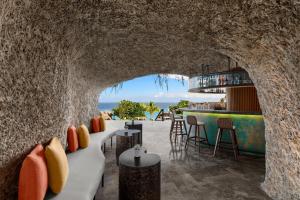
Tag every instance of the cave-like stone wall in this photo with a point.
(33, 84)
(56, 57)
(42, 90)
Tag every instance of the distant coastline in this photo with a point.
(108, 106)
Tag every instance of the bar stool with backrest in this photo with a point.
(193, 121)
(178, 127)
(226, 124)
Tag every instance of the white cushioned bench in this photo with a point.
(86, 168)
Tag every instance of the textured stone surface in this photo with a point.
(56, 56)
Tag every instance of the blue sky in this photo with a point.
(144, 89)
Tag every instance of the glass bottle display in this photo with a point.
(219, 80)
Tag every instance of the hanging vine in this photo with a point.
(161, 80)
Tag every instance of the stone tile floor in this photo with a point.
(189, 175)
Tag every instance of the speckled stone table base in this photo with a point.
(139, 181)
(139, 184)
(125, 141)
(137, 126)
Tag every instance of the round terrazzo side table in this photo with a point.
(139, 179)
(125, 139)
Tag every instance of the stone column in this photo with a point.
(278, 92)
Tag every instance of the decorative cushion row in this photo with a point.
(98, 124)
(78, 138)
(50, 166)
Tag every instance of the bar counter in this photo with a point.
(220, 111)
(249, 126)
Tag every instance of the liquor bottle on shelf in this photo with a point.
(222, 80)
(214, 80)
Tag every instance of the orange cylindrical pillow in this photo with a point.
(72, 139)
(33, 179)
(83, 136)
(95, 122)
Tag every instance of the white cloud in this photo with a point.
(177, 77)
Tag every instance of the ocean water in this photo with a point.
(108, 106)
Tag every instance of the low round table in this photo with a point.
(137, 126)
(139, 180)
(126, 139)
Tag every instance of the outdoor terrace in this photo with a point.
(189, 174)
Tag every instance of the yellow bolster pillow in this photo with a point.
(102, 124)
(83, 136)
(57, 165)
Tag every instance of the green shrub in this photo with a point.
(129, 110)
(180, 104)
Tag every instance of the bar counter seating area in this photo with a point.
(234, 124)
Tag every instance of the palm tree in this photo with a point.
(152, 108)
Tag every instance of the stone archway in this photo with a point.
(56, 57)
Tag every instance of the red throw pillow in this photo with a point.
(72, 139)
(96, 125)
(33, 179)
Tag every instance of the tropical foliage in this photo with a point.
(152, 108)
(132, 110)
(180, 104)
(129, 110)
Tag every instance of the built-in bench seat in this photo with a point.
(86, 168)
